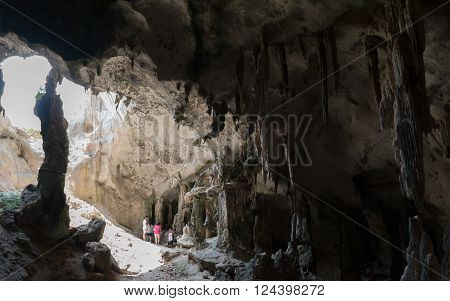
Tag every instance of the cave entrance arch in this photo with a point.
(32, 93)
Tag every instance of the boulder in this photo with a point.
(102, 256)
(89, 262)
(222, 276)
(204, 264)
(185, 242)
(36, 219)
(92, 232)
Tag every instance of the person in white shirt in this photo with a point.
(145, 228)
(170, 238)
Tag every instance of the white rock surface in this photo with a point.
(19, 162)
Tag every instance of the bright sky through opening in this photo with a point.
(23, 78)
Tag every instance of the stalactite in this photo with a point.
(288, 161)
(411, 106)
(239, 90)
(283, 63)
(262, 147)
(444, 126)
(262, 75)
(323, 66)
(386, 108)
(260, 92)
(408, 132)
(302, 46)
(372, 65)
(334, 56)
(404, 16)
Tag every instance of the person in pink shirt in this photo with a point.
(157, 232)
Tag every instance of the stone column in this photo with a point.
(197, 222)
(178, 222)
(159, 212)
(46, 211)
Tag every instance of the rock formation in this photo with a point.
(18, 158)
(214, 94)
(45, 208)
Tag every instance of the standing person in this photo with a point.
(170, 237)
(150, 234)
(157, 232)
(145, 228)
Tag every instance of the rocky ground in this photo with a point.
(131, 253)
(23, 258)
(142, 260)
(204, 262)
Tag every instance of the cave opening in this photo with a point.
(90, 119)
(24, 81)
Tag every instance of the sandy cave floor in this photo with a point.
(131, 253)
(142, 259)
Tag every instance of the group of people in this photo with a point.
(149, 231)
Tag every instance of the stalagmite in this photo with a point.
(261, 228)
(179, 218)
(301, 240)
(300, 245)
(422, 263)
(197, 219)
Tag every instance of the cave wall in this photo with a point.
(189, 61)
(20, 162)
(139, 158)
